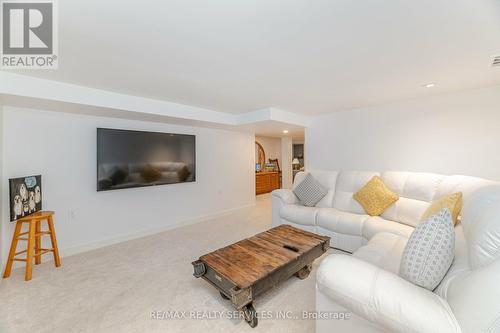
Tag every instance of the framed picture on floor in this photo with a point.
(25, 196)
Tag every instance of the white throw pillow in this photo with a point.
(310, 191)
(430, 251)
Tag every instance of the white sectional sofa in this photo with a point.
(367, 285)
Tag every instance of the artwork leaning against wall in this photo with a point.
(25, 196)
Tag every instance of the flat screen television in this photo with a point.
(128, 159)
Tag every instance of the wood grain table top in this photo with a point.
(254, 258)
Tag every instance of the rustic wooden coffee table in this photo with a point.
(246, 269)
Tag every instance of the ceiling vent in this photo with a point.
(495, 61)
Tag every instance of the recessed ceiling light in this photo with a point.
(429, 85)
(285, 131)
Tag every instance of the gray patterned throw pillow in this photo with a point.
(430, 251)
(309, 191)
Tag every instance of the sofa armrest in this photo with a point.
(286, 196)
(382, 297)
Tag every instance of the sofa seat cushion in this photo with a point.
(383, 298)
(383, 250)
(376, 224)
(341, 222)
(299, 214)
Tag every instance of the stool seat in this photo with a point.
(41, 215)
(34, 249)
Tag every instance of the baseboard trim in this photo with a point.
(66, 252)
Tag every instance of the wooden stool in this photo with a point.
(34, 249)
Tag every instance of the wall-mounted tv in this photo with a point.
(128, 159)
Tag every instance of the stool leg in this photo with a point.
(12, 252)
(38, 242)
(31, 248)
(53, 240)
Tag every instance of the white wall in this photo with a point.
(272, 147)
(456, 133)
(286, 155)
(62, 147)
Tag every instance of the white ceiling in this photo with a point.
(303, 56)
(35, 93)
(275, 129)
(268, 127)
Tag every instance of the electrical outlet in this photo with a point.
(72, 214)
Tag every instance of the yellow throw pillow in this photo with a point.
(452, 201)
(375, 196)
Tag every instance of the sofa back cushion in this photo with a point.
(472, 281)
(465, 184)
(416, 191)
(481, 223)
(327, 179)
(348, 183)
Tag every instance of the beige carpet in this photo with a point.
(115, 289)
